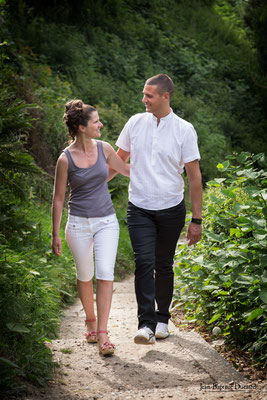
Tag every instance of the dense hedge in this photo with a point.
(34, 285)
(222, 281)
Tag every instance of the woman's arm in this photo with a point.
(115, 162)
(124, 155)
(61, 176)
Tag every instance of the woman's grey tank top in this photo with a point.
(89, 194)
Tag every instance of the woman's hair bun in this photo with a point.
(76, 113)
(74, 105)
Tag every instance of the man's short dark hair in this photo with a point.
(163, 82)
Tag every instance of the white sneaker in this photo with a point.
(144, 336)
(162, 331)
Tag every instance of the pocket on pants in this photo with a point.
(109, 222)
(72, 230)
(74, 227)
(108, 219)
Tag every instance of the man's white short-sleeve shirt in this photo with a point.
(158, 154)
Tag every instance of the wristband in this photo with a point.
(196, 221)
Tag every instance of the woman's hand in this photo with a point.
(56, 245)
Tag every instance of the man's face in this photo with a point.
(152, 99)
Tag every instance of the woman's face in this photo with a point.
(93, 126)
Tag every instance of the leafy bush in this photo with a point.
(34, 284)
(223, 279)
(105, 54)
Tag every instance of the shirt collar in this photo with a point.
(164, 118)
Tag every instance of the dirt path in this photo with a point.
(181, 367)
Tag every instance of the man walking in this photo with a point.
(160, 144)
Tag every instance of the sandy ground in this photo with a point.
(183, 366)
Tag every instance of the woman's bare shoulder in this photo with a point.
(62, 160)
(108, 149)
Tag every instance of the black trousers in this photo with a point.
(154, 235)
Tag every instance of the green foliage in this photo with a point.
(51, 93)
(15, 123)
(223, 278)
(32, 105)
(256, 18)
(204, 46)
(125, 260)
(14, 162)
(113, 121)
(34, 284)
(15, 119)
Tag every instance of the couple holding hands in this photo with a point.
(160, 145)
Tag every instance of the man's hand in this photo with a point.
(194, 232)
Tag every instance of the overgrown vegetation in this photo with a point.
(102, 52)
(34, 286)
(222, 281)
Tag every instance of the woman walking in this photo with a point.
(92, 229)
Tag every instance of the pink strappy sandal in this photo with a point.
(106, 348)
(91, 337)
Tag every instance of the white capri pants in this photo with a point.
(97, 236)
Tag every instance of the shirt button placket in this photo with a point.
(154, 146)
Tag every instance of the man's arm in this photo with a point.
(124, 155)
(194, 230)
